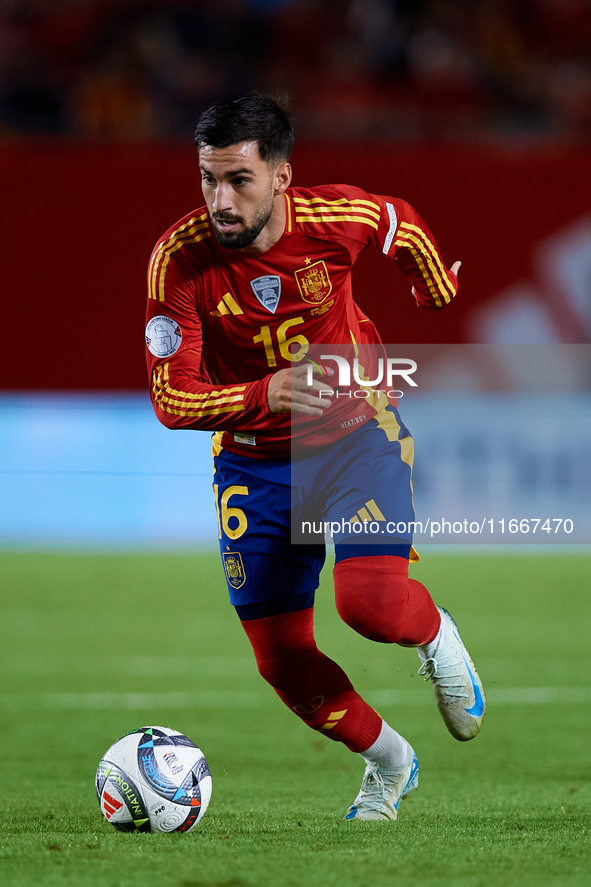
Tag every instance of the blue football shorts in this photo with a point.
(273, 515)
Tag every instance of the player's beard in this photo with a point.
(248, 234)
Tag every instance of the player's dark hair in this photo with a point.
(256, 117)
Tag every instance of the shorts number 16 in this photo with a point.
(226, 514)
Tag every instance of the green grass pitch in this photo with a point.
(92, 646)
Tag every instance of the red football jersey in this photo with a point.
(220, 322)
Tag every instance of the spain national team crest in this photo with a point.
(267, 289)
(314, 283)
(235, 573)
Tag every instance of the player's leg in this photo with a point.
(272, 586)
(311, 684)
(376, 598)
(317, 689)
(371, 490)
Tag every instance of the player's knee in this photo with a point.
(372, 623)
(282, 646)
(270, 670)
(278, 671)
(282, 667)
(371, 595)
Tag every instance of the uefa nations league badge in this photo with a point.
(267, 289)
(163, 336)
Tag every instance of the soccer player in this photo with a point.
(239, 292)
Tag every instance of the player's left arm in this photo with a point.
(405, 238)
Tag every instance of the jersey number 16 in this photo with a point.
(285, 345)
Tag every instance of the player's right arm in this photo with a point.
(182, 393)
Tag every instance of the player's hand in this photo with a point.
(289, 392)
(454, 270)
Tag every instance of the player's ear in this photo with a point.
(282, 177)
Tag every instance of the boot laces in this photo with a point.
(374, 787)
(451, 683)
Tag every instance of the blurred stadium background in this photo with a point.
(478, 112)
(402, 69)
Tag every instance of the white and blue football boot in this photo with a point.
(382, 789)
(457, 687)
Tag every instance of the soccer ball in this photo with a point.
(153, 780)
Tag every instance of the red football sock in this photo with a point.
(311, 684)
(375, 597)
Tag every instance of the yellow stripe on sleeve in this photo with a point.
(164, 371)
(180, 408)
(425, 274)
(337, 218)
(193, 224)
(194, 405)
(193, 231)
(331, 207)
(196, 414)
(181, 242)
(419, 236)
(356, 201)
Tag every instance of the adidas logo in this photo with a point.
(333, 719)
(227, 305)
(370, 512)
(110, 805)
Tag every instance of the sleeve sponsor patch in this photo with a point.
(163, 336)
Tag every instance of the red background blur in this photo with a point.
(80, 222)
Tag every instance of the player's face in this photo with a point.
(240, 190)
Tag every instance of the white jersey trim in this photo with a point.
(392, 229)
